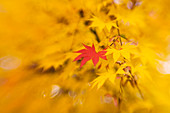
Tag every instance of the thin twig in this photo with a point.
(118, 31)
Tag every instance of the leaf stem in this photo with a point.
(137, 85)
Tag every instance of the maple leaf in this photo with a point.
(101, 24)
(90, 53)
(99, 81)
(125, 68)
(125, 51)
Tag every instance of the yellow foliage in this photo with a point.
(38, 40)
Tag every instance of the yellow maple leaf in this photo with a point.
(99, 81)
(96, 22)
(127, 67)
(124, 51)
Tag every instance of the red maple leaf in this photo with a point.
(90, 53)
